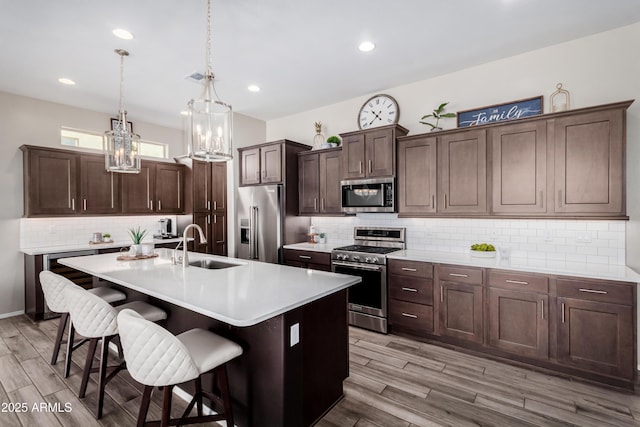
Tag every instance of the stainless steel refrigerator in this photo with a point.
(266, 221)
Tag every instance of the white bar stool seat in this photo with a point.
(95, 319)
(53, 286)
(155, 357)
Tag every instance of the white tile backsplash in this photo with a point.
(52, 232)
(549, 240)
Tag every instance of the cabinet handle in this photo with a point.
(409, 269)
(370, 166)
(159, 205)
(360, 166)
(410, 289)
(208, 219)
(458, 275)
(517, 282)
(208, 205)
(433, 201)
(264, 173)
(84, 204)
(151, 204)
(562, 308)
(441, 293)
(593, 291)
(315, 203)
(304, 256)
(73, 204)
(257, 174)
(559, 198)
(215, 205)
(413, 316)
(445, 200)
(322, 204)
(542, 199)
(215, 219)
(542, 308)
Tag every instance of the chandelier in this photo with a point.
(121, 145)
(210, 120)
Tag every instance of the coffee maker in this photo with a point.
(164, 227)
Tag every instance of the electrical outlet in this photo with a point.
(583, 237)
(548, 236)
(294, 336)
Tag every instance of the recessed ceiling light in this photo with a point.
(66, 81)
(366, 46)
(254, 88)
(122, 33)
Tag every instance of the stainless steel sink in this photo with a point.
(211, 264)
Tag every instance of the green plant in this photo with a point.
(333, 140)
(483, 247)
(106, 235)
(137, 235)
(437, 114)
(322, 235)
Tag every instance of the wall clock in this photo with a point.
(379, 110)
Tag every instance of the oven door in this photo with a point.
(370, 295)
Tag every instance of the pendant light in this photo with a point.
(121, 145)
(210, 120)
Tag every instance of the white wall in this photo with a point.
(34, 122)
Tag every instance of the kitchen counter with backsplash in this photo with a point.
(91, 246)
(580, 269)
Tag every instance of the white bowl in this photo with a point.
(483, 254)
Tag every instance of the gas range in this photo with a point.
(371, 244)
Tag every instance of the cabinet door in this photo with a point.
(417, 176)
(380, 153)
(204, 221)
(330, 175)
(519, 322)
(353, 156)
(219, 233)
(271, 163)
(169, 191)
(52, 183)
(201, 186)
(519, 168)
(596, 336)
(138, 190)
(219, 186)
(308, 183)
(589, 168)
(250, 166)
(461, 311)
(462, 168)
(99, 189)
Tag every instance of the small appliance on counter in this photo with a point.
(164, 229)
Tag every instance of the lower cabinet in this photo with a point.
(308, 259)
(461, 303)
(411, 296)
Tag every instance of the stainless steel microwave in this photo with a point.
(368, 195)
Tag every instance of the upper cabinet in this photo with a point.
(319, 182)
(370, 153)
(65, 182)
(267, 163)
(568, 164)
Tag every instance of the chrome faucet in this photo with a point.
(185, 258)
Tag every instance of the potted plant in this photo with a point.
(437, 114)
(136, 237)
(333, 141)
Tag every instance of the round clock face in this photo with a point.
(379, 110)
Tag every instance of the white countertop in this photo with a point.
(619, 273)
(242, 295)
(91, 246)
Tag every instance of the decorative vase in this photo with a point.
(318, 139)
(135, 250)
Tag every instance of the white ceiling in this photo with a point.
(302, 53)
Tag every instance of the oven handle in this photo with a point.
(358, 267)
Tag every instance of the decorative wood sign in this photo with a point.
(499, 112)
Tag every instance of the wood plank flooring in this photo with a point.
(393, 382)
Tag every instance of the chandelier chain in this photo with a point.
(122, 83)
(209, 65)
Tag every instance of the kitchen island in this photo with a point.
(290, 322)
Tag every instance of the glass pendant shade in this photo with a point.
(210, 127)
(122, 148)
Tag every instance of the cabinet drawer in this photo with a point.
(518, 281)
(412, 316)
(411, 289)
(411, 268)
(460, 274)
(307, 256)
(596, 291)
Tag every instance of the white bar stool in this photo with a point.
(155, 357)
(53, 286)
(95, 319)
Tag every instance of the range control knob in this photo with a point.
(341, 256)
(374, 260)
(355, 258)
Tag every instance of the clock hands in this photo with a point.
(376, 117)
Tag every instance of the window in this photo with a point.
(93, 141)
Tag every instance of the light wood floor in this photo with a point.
(393, 382)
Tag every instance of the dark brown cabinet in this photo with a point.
(411, 296)
(519, 178)
(319, 182)
(370, 153)
(596, 327)
(269, 163)
(313, 260)
(589, 162)
(518, 314)
(158, 188)
(417, 174)
(250, 166)
(99, 189)
(461, 302)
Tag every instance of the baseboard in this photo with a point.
(15, 313)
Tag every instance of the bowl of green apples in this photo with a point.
(483, 250)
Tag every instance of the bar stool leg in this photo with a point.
(199, 395)
(61, 327)
(144, 405)
(223, 384)
(102, 373)
(70, 339)
(166, 406)
(91, 351)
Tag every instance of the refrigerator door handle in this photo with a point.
(254, 232)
